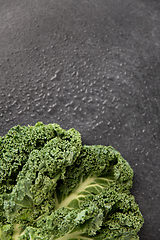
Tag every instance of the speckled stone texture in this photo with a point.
(92, 65)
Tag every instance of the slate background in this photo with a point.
(92, 65)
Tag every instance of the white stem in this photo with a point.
(16, 232)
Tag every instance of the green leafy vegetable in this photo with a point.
(54, 188)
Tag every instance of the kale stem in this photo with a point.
(16, 232)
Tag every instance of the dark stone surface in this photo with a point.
(92, 65)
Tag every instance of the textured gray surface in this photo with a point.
(91, 65)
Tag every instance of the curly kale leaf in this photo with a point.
(38, 178)
(96, 167)
(53, 188)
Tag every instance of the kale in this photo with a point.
(54, 188)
